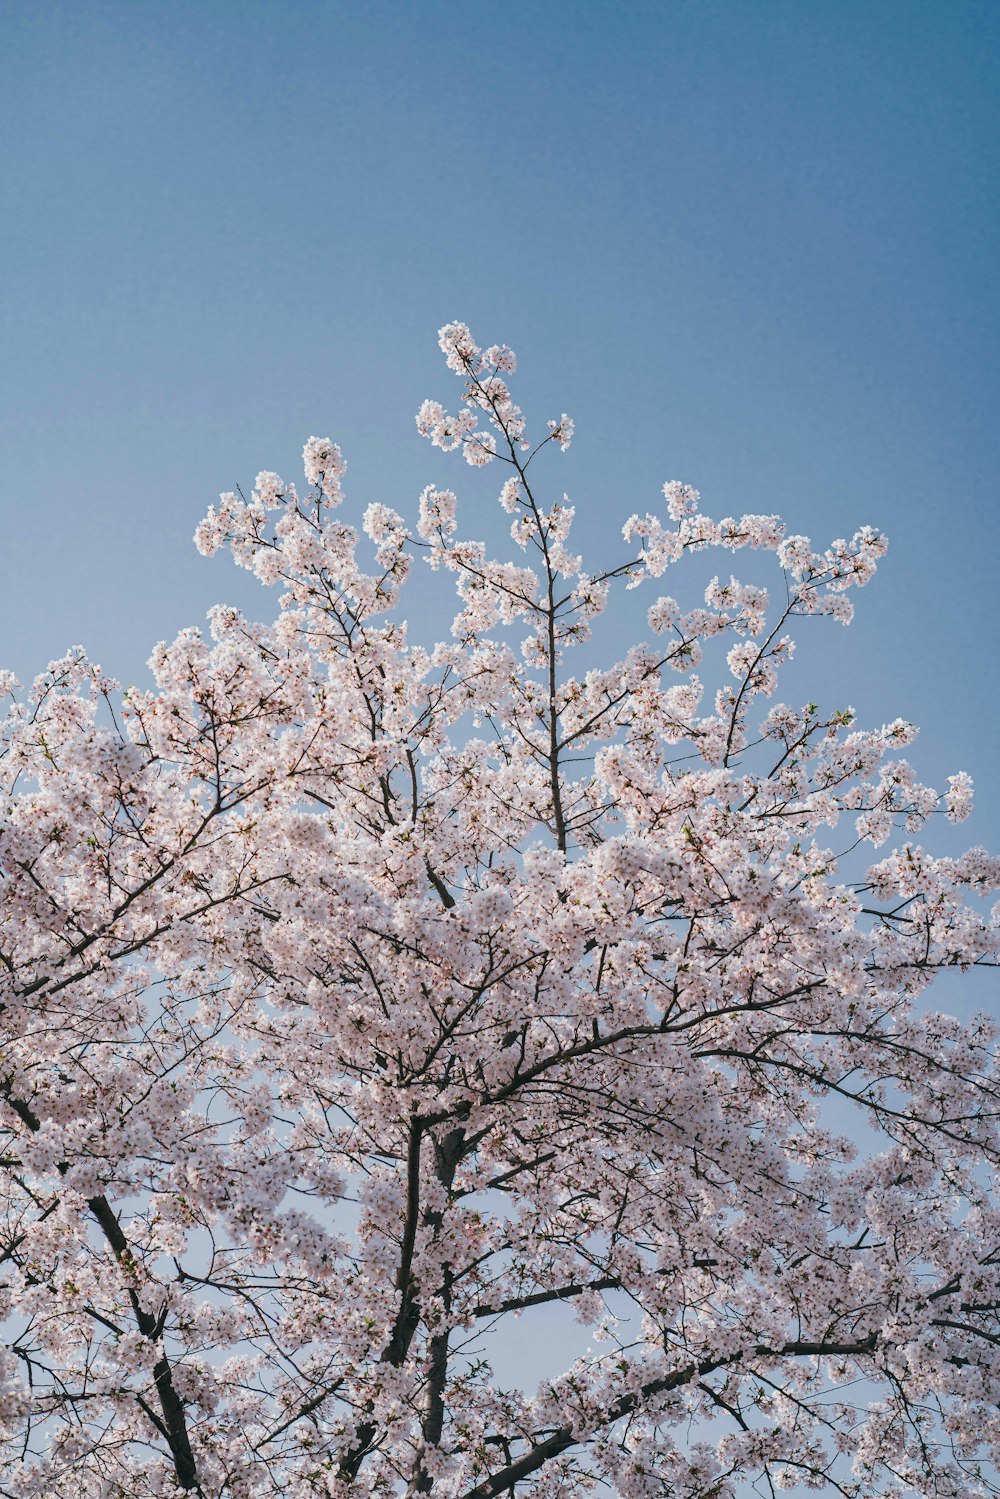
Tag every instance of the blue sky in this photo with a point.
(750, 245)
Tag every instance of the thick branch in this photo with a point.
(174, 1424)
(560, 1440)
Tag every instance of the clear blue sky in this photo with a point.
(751, 245)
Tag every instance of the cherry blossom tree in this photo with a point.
(362, 996)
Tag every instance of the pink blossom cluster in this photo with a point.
(360, 996)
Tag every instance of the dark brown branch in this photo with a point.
(540, 1298)
(563, 1438)
(174, 1423)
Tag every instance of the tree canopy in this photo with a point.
(361, 995)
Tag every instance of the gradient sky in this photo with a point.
(752, 246)
(749, 245)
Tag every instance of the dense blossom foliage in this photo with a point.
(361, 997)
